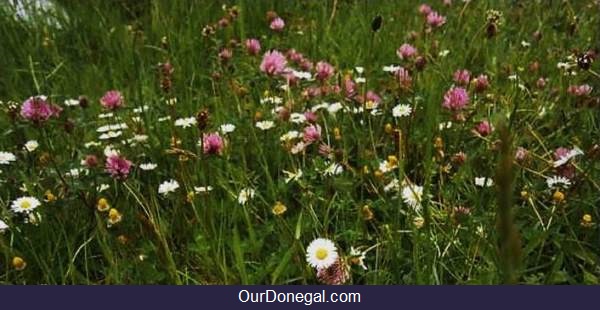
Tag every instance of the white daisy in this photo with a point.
(163, 119)
(273, 100)
(110, 135)
(6, 158)
(106, 115)
(265, 125)
(141, 109)
(333, 169)
(25, 204)
(71, 102)
(572, 153)
(102, 187)
(444, 53)
(413, 195)
(245, 195)
(290, 135)
(3, 226)
(361, 80)
(297, 118)
(227, 128)
(92, 144)
(168, 187)
(185, 122)
(359, 70)
(557, 181)
(391, 68)
(148, 166)
(31, 145)
(334, 107)
(203, 189)
(171, 101)
(484, 182)
(401, 110)
(321, 253)
(394, 185)
(303, 75)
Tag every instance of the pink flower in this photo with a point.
(406, 51)
(424, 9)
(455, 99)
(225, 54)
(521, 154)
(481, 83)
(541, 83)
(349, 87)
(112, 99)
(371, 96)
(434, 19)
(37, 109)
(403, 77)
(273, 63)
(580, 90)
(306, 64)
(290, 77)
(277, 24)
(484, 128)
(212, 143)
(253, 46)
(462, 77)
(310, 116)
(295, 56)
(312, 92)
(324, 70)
(90, 161)
(312, 133)
(567, 170)
(117, 166)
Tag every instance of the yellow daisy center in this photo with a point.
(321, 254)
(25, 205)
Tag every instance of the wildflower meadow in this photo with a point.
(300, 142)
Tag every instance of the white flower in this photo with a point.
(92, 144)
(290, 135)
(273, 100)
(25, 204)
(572, 153)
(391, 68)
(163, 119)
(359, 256)
(386, 166)
(102, 187)
(401, 110)
(298, 147)
(110, 135)
(109, 151)
(302, 75)
(556, 181)
(446, 125)
(148, 166)
(292, 176)
(525, 44)
(394, 185)
(359, 70)
(322, 105)
(203, 189)
(112, 127)
(74, 173)
(6, 158)
(141, 109)
(265, 125)
(227, 128)
(484, 182)
(245, 195)
(167, 187)
(361, 80)
(333, 169)
(31, 145)
(334, 107)
(185, 122)
(444, 53)
(297, 118)
(106, 115)
(413, 195)
(321, 253)
(139, 138)
(171, 101)
(71, 102)
(3, 226)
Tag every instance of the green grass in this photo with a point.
(507, 237)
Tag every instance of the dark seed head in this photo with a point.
(376, 23)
